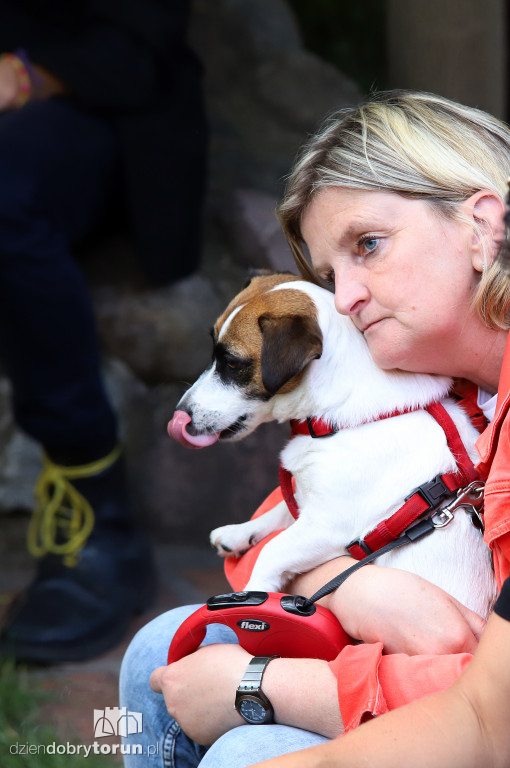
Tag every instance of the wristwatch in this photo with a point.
(251, 702)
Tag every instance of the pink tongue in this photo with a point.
(177, 431)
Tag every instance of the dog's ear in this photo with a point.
(289, 343)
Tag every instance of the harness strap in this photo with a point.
(423, 499)
(316, 428)
(321, 428)
(455, 444)
(288, 491)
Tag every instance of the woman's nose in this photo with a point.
(350, 296)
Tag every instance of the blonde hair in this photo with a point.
(413, 144)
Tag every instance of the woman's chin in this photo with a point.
(393, 359)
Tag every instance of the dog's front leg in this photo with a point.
(238, 538)
(299, 549)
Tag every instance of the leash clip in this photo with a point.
(469, 498)
(442, 518)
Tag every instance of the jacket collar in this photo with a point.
(487, 442)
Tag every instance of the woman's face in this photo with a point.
(402, 273)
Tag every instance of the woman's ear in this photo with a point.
(487, 210)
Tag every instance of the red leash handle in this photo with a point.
(266, 623)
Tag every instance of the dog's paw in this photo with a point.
(233, 539)
(267, 584)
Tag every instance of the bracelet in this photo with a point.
(24, 82)
(35, 79)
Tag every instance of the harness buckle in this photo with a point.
(433, 492)
(317, 435)
(469, 498)
(358, 543)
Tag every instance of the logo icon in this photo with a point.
(116, 722)
(253, 625)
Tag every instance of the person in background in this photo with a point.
(100, 108)
(401, 203)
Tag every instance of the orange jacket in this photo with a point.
(369, 681)
(494, 449)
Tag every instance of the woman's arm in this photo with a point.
(399, 609)
(200, 690)
(465, 726)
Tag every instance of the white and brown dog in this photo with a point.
(282, 352)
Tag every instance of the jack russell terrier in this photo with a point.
(372, 451)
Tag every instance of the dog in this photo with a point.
(282, 352)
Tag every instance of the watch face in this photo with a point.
(252, 711)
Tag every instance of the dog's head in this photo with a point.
(263, 343)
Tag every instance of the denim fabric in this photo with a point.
(57, 166)
(162, 743)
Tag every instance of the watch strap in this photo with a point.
(251, 683)
(252, 678)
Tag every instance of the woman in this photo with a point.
(401, 205)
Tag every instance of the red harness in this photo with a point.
(420, 501)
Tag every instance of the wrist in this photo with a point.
(251, 702)
(304, 694)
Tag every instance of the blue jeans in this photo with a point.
(162, 744)
(58, 165)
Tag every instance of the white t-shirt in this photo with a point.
(487, 403)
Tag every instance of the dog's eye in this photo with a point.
(229, 364)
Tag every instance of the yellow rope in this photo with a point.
(63, 519)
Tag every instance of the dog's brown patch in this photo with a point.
(277, 330)
(258, 285)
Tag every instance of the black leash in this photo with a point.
(415, 532)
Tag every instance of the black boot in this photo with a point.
(96, 569)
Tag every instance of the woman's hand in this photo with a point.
(403, 611)
(46, 85)
(200, 691)
(8, 85)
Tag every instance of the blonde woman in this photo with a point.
(400, 204)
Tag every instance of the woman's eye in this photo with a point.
(369, 244)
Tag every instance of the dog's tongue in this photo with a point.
(177, 431)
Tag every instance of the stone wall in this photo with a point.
(264, 93)
(456, 48)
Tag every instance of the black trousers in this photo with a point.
(57, 167)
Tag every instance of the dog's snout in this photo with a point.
(184, 405)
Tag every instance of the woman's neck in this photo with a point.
(485, 357)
